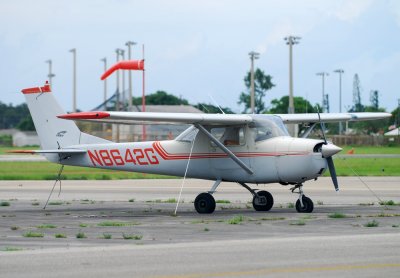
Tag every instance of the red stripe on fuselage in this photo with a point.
(167, 156)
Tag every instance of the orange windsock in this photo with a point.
(124, 65)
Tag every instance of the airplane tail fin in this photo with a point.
(54, 133)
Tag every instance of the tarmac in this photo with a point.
(128, 228)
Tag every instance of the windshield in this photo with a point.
(267, 126)
(188, 135)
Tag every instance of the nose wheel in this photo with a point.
(303, 204)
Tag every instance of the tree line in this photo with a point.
(18, 116)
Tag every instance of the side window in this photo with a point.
(229, 136)
(263, 133)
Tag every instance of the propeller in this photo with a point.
(328, 152)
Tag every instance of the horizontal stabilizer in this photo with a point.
(60, 151)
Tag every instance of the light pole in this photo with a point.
(50, 75)
(129, 44)
(117, 107)
(291, 40)
(74, 80)
(253, 56)
(122, 53)
(340, 72)
(323, 74)
(105, 91)
(105, 81)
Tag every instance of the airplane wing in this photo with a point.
(159, 118)
(212, 119)
(332, 117)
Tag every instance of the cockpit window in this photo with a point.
(229, 136)
(267, 126)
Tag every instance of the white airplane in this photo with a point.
(245, 149)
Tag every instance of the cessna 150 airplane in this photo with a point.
(245, 149)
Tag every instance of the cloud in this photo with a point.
(394, 7)
(276, 35)
(185, 48)
(351, 10)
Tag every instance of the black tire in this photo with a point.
(308, 205)
(263, 207)
(204, 203)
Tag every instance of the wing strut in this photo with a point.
(224, 149)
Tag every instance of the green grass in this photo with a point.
(222, 201)
(81, 235)
(132, 200)
(56, 203)
(46, 226)
(60, 236)
(237, 219)
(33, 234)
(106, 236)
(116, 224)
(337, 215)
(371, 150)
(290, 205)
(83, 225)
(159, 201)
(389, 203)
(10, 249)
(372, 223)
(4, 204)
(132, 236)
(14, 228)
(300, 222)
(17, 170)
(367, 166)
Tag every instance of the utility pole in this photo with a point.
(74, 80)
(340, 72)
(129, 44)
(105, 81)
(122, 53)
(117, 105)
(105, 91)
(253, 56)
(323, 74)
(50, 75)
(291, 40)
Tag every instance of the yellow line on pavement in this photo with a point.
(267, 271)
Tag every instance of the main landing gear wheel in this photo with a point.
(308, 205)
(204, 203)
(263, 201)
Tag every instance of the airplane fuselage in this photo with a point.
(279, 159)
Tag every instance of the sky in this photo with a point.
(199, 49)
